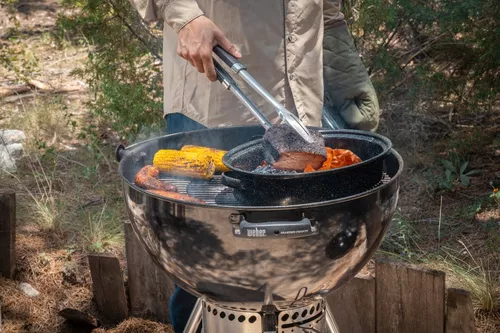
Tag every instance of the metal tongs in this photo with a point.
(240, 69)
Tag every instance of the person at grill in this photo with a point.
(299, 50)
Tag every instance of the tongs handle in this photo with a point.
(285, 115)
(228, 82)
(228, 59)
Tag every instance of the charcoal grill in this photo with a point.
(255, 268)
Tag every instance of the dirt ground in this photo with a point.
(456, 231)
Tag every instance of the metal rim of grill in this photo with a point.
(214, 193)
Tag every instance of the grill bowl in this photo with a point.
(203, 249)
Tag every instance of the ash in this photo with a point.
(269, 170)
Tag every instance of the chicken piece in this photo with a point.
(177, 196)
(147, 179)
(287, 150)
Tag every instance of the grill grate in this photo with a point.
(213, 192)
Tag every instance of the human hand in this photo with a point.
(196, 41)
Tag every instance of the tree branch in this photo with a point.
(131, 29)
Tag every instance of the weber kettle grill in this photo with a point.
(255, 268)
(259, 266)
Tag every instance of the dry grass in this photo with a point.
(136, 325)
(45, 263)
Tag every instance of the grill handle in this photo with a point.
(278, 229)
(119, 152)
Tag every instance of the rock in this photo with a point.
(11, 136)
(9, 155)
(11, 149)
(497, 153)
(15, 150)
(28, 290)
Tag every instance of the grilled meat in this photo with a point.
(147, 179)
(286, 150)
(336, 158)
(177, 196)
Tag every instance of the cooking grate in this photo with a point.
(213, 192)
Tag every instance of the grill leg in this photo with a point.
(331, 325)
(195, 318)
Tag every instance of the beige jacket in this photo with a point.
(281, 45)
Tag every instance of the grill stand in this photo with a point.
(312, 318)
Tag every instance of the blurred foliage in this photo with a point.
(441, 50)
(445, 50)
(124, 62)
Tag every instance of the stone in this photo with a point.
(11, 136)
(9, 155)
(28, 289)
(11, 149)
(15, 150)
(7, 163)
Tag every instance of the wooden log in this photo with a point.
(149, 287)
(79, 318)
(109, 290)
(7, 233)
(353, 306)
(409, 300)
(459, 312)
(14, 90)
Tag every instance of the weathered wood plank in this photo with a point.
(109, 290)
(409, 300)
(459, 312)
(149, 287)
(353, 306)
(7, 233)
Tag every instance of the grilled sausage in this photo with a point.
(146, 178)
(177, 196)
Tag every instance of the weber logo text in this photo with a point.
(256, 232)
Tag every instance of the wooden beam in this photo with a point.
(409, 300)
(459, 312)
(109, 290)
(353, 306)
(149, 287)
(7, 233)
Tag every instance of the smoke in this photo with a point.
(149, 131)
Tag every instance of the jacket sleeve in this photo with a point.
(176, 13)
(332, 16)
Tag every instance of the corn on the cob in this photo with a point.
(215, 154)
(182, 163)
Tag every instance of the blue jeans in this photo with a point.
(181, 303)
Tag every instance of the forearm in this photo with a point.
(176, 13)
(332, 15)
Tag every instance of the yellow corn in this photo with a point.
(184, 163)
(215, 154)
